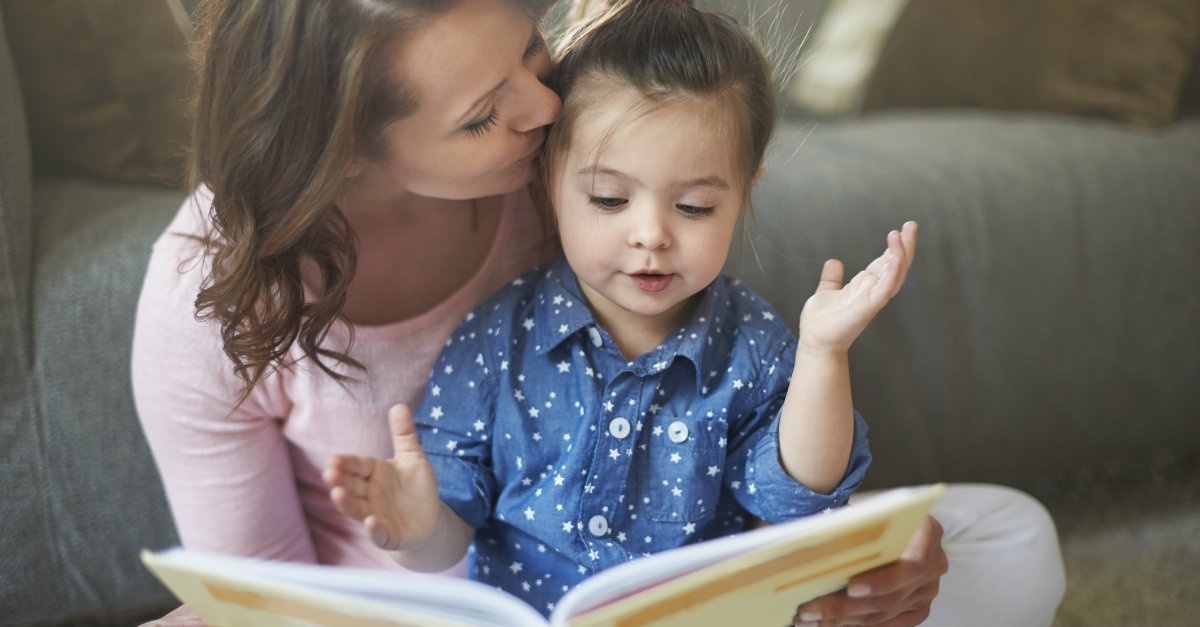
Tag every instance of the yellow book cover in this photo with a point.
(753, 578)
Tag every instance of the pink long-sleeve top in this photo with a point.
(249, 482)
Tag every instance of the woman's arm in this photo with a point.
(228, 476)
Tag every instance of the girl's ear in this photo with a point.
(357, 167)
(757, 174)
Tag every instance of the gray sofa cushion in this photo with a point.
(1051, 310)
(93, 498)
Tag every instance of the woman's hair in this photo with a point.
(289, 94)
(668, 50)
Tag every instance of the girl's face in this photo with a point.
(647, 204)
(475, 71)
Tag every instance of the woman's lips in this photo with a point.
(648, 282)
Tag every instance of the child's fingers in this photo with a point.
(832, 275)
(404, 431)
(378, 532)
(347, 503)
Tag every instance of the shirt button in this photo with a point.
(598, 525)
(677, 431)
(619, 428)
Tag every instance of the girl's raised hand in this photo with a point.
(396, 499)
(835, 315)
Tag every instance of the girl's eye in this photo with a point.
(486, 124)
(606, 204)
(693, 211)
(536, 45)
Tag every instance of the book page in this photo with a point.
(758, 577)
(225, 590)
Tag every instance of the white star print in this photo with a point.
(528, 324)
(568, 527)
(452, 444)
(675, 457)
(436, 413)
(436, 390)
(564, 366)
(713, 470)
(558, 479)
(478, 424)
(448, 369)
(614, 453)
(737, 384)
(689, 528)
(768, 315)
(529, 513)
(516, 567)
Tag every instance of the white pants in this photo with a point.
(1005, 564)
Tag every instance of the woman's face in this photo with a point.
(476, 73)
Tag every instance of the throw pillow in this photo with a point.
(841, 54)
(105, 85)
(1125, 60)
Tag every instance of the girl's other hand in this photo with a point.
(396, 499)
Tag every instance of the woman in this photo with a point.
(360, 168)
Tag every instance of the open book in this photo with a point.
(753, 578)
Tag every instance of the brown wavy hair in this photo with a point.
(289, 93)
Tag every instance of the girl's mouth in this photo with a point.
(649, 282)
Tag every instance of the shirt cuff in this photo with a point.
(778, 497)
(462, 489)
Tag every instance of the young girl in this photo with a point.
(627, 398)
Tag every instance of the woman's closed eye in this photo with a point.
(487, 123)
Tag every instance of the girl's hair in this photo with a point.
(667, 50)
(289, 94)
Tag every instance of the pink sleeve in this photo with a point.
(228, 476)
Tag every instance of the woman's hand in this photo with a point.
(896, 595)
(835, 315)
(396, 499)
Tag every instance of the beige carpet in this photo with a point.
(1131, 542)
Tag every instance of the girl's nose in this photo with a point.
(649, 230)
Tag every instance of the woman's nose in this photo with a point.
(539, 105)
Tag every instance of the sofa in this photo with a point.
(1048, 324)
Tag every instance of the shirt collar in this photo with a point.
(561, 312)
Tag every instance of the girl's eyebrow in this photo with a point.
(715, 182)
(469, 112)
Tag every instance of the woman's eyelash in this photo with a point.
(484, 125)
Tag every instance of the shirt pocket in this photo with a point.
(678, 468)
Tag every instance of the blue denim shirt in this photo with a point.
(568, 458)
